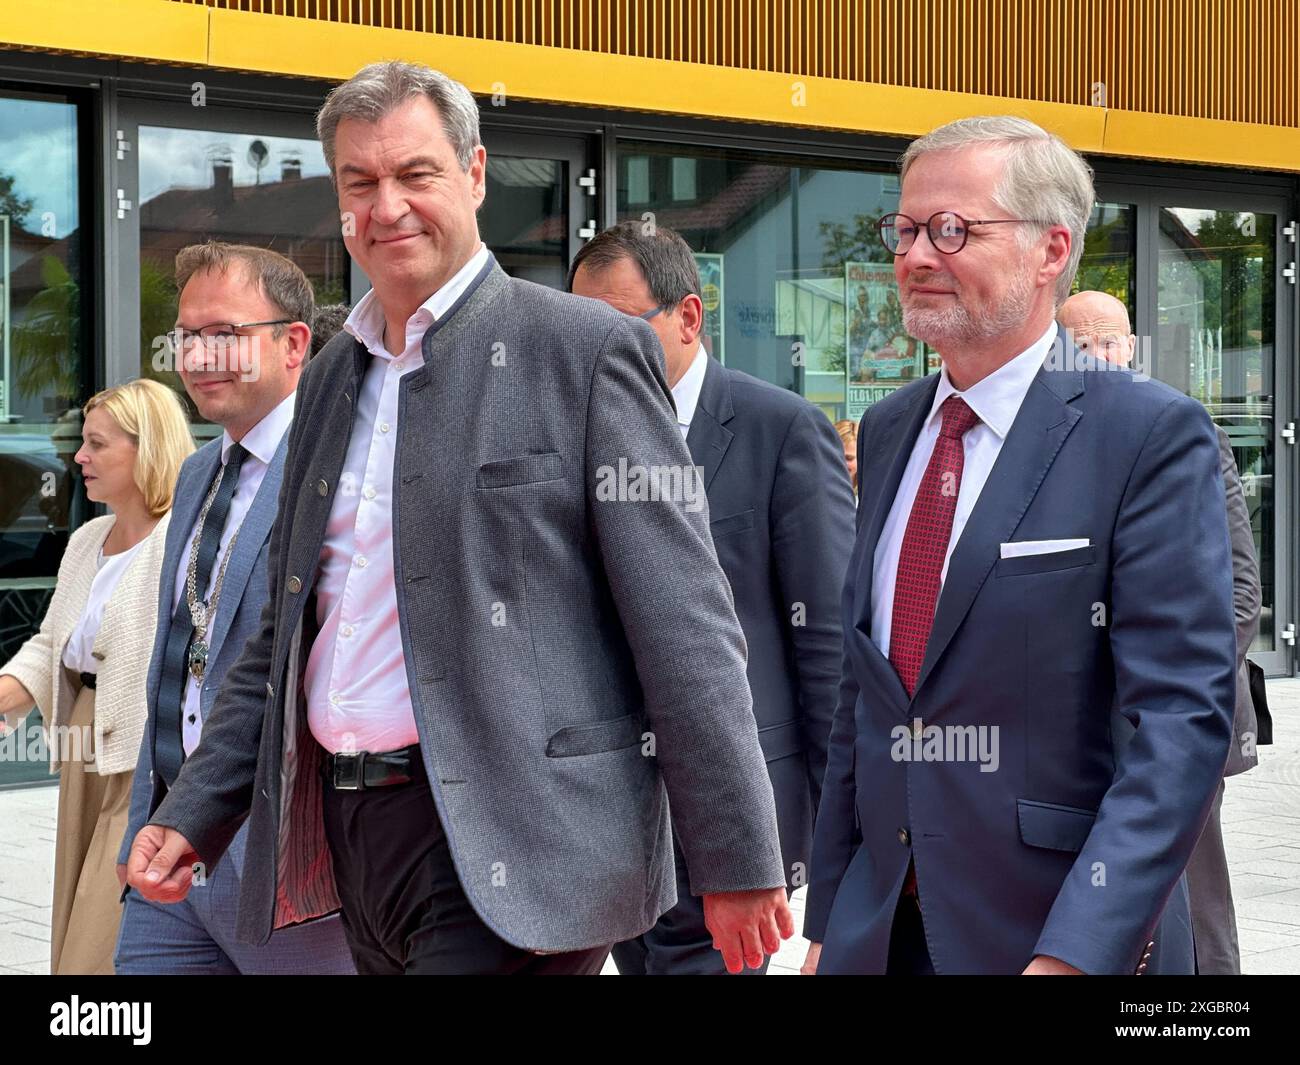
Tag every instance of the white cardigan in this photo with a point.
(123, 647)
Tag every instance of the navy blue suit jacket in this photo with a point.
(781, 517)
(1108, 672)
(238, 612)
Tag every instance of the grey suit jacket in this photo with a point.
(1245, 605)
(238, 613)
(542, 624)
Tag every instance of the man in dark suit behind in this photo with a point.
(781, 517)
(1039, 647)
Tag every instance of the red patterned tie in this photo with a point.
(925, 543)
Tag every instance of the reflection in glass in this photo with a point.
(42, 364)
(1109, 253)
(196, 185)
(525, 220)
(798, 289)
(1214, 341)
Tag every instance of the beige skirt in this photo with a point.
(92, 820)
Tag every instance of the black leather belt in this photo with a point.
(359, 770)
(88, 680)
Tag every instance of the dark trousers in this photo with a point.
(1214, 920)
(680, 943)
(908, 953)
(404, 910)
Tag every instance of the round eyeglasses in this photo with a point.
(948, 231)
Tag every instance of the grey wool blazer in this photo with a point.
(574, 660)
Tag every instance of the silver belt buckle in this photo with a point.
(349, 771)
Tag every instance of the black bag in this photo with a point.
(1259, 696)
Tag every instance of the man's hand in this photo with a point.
(161, 864)
(810, 962)
(121, 875)
(748, 924)
(1045, 965)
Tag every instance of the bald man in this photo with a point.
(1100, 325)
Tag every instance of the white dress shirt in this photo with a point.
(357, 693)
(78, 653)
(686, 392)
(996, 399)
(260, 442)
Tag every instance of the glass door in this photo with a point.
(540, 202)
(1223, 332)
(184, 175)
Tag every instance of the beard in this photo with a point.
(962, 323)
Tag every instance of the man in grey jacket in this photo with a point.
(466, 710)
(1100, 325)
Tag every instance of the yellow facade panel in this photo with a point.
(1124, 77)
(156, 30)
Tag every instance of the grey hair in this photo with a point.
(663, 257)
(380, 88)
(1044, 180)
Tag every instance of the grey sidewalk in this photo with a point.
(1261, 819)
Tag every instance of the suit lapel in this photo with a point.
(708, 437)
(190, 492)
(878, 480)
(1044, 421)
(251, 538)
(188, 501)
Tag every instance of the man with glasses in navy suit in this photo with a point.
(1038, 683)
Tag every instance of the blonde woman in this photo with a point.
(86, 666)
(848, 431)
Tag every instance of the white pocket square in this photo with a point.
(1040, 547)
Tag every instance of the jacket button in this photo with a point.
(151, 776)
(904, 837)
(294, 585)
(322, 488)
(269, 690)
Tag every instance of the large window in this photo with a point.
(44, 376)
(247, 188)
(798, 289)
(1214, 339)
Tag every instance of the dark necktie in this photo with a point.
(925, 544)
(168, 746)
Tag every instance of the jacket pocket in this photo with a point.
(1053, 560)
(595, 738)
(780, 741)
(732, 523)
(522, 469)
(1056, 827)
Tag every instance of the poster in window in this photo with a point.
(710, 267)
(881, 356)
